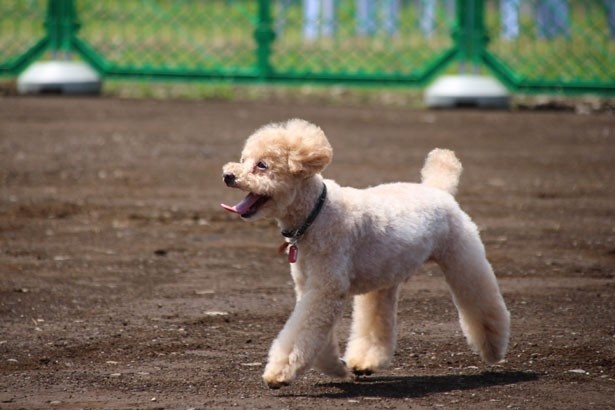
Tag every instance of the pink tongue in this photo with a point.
(243, 206)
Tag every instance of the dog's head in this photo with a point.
(275, 160)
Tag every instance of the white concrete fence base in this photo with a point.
(466, 91)
(59, 77)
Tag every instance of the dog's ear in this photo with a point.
(306, 163)
(310, 152)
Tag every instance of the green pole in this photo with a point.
(479, 33)
(264, 36)
(52, 22)
(70, 26)
(469, 33)
(61, 25)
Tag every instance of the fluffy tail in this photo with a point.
(483, 316)
(442, 170)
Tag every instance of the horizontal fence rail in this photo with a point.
(532, 46)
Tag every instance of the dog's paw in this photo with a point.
(340, 371)
(276, 380)
(279, 374)
(365, 365)
(364, 359)
(275, 385)
(334, 368)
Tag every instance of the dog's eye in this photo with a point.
(261, 165)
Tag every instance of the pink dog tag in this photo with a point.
(293, 251)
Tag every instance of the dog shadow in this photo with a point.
(419, 386)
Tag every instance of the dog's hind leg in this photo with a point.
(372, 337)
(329, 361)
(304, 335)
(483, 316)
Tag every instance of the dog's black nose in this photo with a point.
(229, 179)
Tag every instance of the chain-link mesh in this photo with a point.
(531, 45)
(193, 35)
(21, 29)
(361, 38)
(323, 39)
(553, 41)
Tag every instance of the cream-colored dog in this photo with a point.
(362, 242)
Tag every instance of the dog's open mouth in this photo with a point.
(248, 206)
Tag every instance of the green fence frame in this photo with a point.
(472, 45)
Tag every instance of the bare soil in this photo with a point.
(123, 284)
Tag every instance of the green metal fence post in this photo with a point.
(468, 88)
(470, 33)
(70, 26)
(61, 74)
(61, 25)
(264, 36)
(479, 33)
(52, 23)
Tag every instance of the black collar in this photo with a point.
(295, 234)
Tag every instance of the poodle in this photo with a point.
(364, 243)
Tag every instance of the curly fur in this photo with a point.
(364, 244)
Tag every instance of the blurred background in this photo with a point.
(546, 47)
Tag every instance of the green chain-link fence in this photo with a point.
(562, 46)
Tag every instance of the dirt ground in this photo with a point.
(123, 284)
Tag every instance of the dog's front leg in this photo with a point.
(304, 335)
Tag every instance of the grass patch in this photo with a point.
(301, 94)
